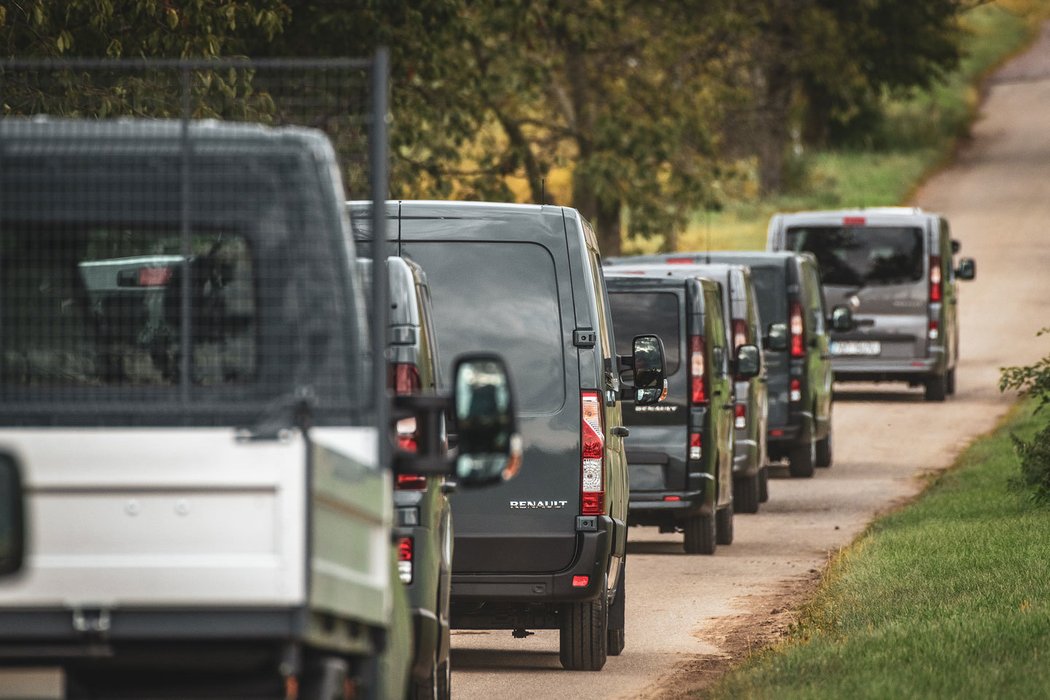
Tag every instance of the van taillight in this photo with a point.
(679, 261)
(404, 559)
(403, 379)
(592, 454)
(739, 333)
(411, 482)
(936, 288)
(796, 390)
(797, 329)
(696, 447)
(740, 416)
(697, 373)
(934, 331)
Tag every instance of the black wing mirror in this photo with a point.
(777, 337)
(841, 319)
(12, 517)
(967, 269)
(647, 364)
(748, 361)
(489, 447)
(956, 246)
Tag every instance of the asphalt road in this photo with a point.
(689, 616)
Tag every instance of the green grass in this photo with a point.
(917, 136)
(947, 598)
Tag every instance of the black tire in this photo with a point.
(724, 525)
(617, 615)
(438, 686)
(324, 679)
(937, 387)
(763, 483)
(801, 459)
(747, 493)
(700, 534)
(950, 382)
(824, 451)
(585, 634)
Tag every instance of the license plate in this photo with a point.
(26, 683)
(856, 347)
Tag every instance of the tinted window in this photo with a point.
(647, 313)
(499, 297)
(862, 256)
(102, 307)
(771, 290)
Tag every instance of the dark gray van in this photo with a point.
(893, 267)
(545, 550)
(797, 359)
(750, 395)
(681, 451)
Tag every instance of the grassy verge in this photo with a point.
(917, 136)
(949, 597)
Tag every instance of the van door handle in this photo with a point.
(620, 431)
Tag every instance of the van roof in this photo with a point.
(868, 215)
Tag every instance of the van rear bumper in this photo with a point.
(851, 370)
(656, 507)
(593, 550)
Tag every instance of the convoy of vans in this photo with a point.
(191, 491)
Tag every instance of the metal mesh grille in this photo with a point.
(161, 264)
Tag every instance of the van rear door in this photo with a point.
(500, 282)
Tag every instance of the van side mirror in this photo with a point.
(967, 269)
(748, 361)
(841, 319)
(956, 246)
(482, 408)
(647, 363)
(12, 517)
(489, 448)
(777, 337)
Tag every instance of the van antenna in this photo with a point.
(543, 190)
(707, 233)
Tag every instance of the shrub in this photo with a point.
(1034, 381)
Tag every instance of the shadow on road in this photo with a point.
(655, 547)
(502, 659)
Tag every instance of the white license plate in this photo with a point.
(856, 347)
(36, 683)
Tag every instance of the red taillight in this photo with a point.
(580, 581)
(797, 330)
(740, 416)
(696, 446)
(934, 330)
(592, 454)
(404, 559)
(739, 333)
(796, 390)
(697, 370)
(411, 482)
(679, 261)
(853, 221)
(403, 379)
(936, 290)
(672, 499)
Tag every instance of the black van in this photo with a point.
(681, 450)
(546, 550)
(798, 360)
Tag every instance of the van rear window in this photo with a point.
(648, 313)
(862, 256)
(101, 306)
(499, 297)
(771, 292)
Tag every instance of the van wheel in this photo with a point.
(700, 534)
(438, 686)
(585, 633)
(763, 483)
(950, 382)
(724, 525)
(824, 451)
(801, 459)
(937, 387)
(747, 493)
(617, 615)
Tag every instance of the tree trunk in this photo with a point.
(608, 228)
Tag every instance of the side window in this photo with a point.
(425, 316)
(716, 332)
(947, 264)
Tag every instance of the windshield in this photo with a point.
(860, 256)
(647, 313)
